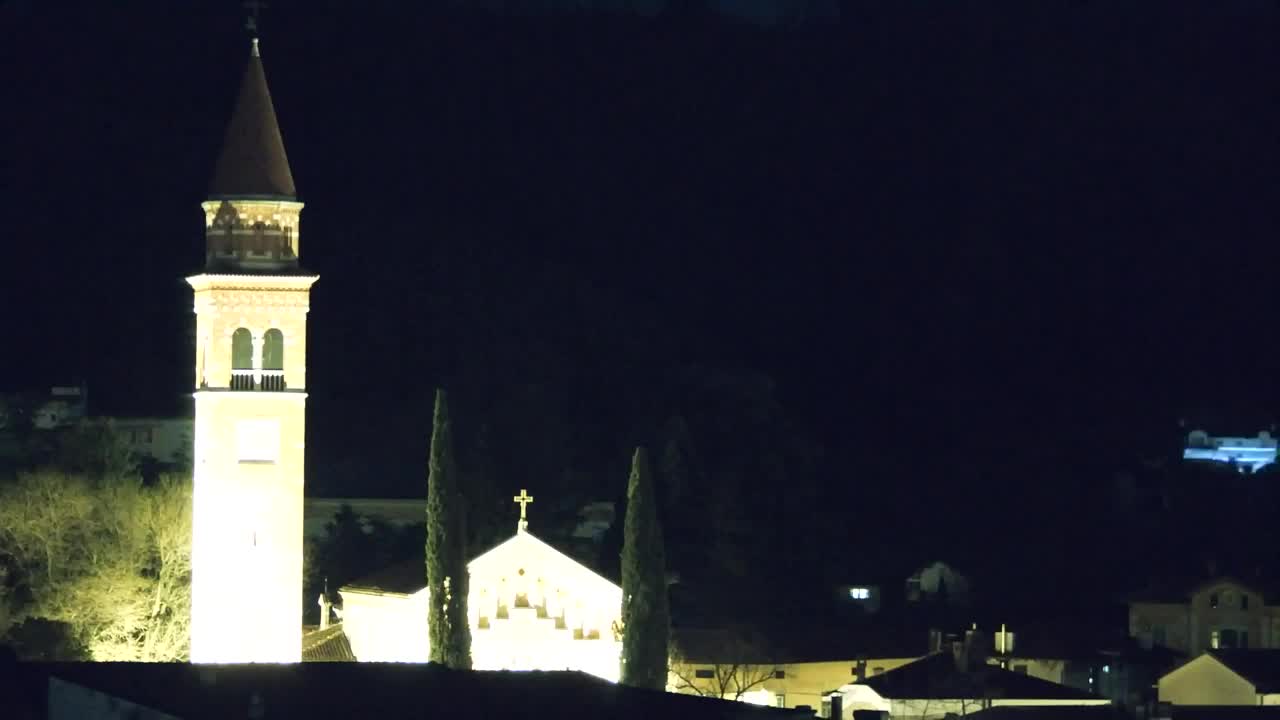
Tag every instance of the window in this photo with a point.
(704, 674)
(859, 593)
(779, 674)
(258, 441)
(1157, 635)
(1213, 600)
(1244, 601)
(781, 700)
(1214, 639)
(273, 350)
(242, 349)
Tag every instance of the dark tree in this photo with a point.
(645, 614)
(447, 581)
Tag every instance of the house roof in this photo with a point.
(253, 162)
(401, 690)
(937, 676)
(327, 645)
(1259, 667)
(1050, 712)
(1226, 712)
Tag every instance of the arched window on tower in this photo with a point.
(259, 239)
(273, 360)
(242, 360)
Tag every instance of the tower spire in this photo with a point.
(253, 162)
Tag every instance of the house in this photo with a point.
(1220, 614)
(1225, 677)
(174, 691)
(162, 440)
(950, 682)
(1087, 653)
(1055, 712)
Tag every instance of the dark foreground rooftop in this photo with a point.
(351, 690)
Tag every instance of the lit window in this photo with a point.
(859, 593)
(1214, 639)
(258, 440)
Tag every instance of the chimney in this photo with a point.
(1004, 641)
(837, 706)
(958, 653)
(935, 640)
(325, 608)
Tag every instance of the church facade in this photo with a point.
(251, 304)
(530, 607)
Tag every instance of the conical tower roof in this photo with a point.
(253, 162)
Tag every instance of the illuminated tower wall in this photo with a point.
(251, 306)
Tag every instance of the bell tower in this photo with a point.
(251, 306)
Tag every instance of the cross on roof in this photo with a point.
(524, 498)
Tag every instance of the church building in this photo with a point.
(531, 607)
(251, 305)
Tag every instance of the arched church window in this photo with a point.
(273, 360)
(241, 360)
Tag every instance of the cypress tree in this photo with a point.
(447, 575)
(645, 613)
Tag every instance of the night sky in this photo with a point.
(980, 250)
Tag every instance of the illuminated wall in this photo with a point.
(1248, 453)
(530, 606)
(246, 554)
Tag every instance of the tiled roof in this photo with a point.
(937, 676)
(405, 691)
(1260, 667)
(253, 161)
(1050, 712)
(328, 645)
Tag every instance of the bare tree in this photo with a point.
(111, 560)
(725, 664)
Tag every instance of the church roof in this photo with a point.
(253, 161)
(327, 645)
(410, 576)
(403, 578)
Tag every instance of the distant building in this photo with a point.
(1221, 614)
(1225, 678)
(161, 440)
(938, 582)
(1247, 453)
(63, 406)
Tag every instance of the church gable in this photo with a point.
(526, 556)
